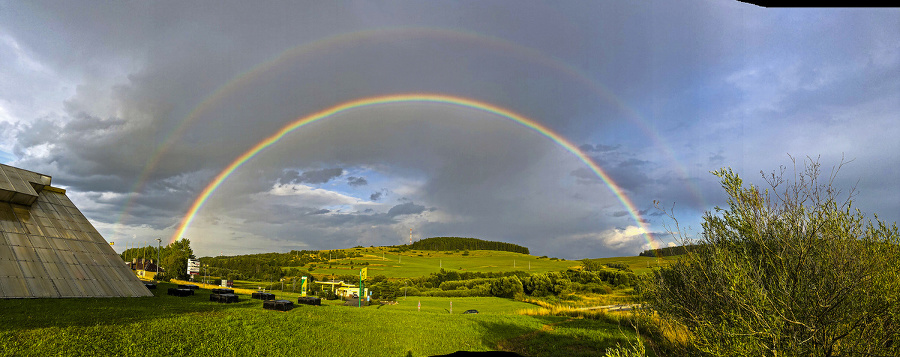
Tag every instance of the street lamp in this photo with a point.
(158, 248)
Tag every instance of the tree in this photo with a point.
(794, 271)
(175, 256)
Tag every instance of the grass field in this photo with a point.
(165, 325)
(423, 262)
(639, 265)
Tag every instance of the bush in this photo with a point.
(793, 271)
(538, 285)
(506, 287)
(409, 291)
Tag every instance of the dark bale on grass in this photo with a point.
(309, 300)
(188, 286)
(223, 291)
(279, 305)
(224, 298)
(262, 296)
(180, 292)
(150, 285)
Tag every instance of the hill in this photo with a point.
(394, 263)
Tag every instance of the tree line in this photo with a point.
(448, 283)
(172, 258)
(459, 243)
(668, 251)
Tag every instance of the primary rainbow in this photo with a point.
(409, 98)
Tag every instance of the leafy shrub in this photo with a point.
(794, 272)
(506, 287)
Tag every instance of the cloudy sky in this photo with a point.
(136, 107)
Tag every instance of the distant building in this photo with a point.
(341, 288)
(48, 249)
(145, 268)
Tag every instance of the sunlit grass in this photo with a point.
(166, 325)
(423, 262)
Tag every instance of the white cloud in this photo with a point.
(628, 241)
(5, 116)
(311, 194)
(307, 196)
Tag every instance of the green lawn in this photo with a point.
(165, 325)
(419, 263)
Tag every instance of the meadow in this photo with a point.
(639, 265)
(417, 263)
(166, 325)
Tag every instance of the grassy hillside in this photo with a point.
(416, 263)
(165, 325)
(639, 265)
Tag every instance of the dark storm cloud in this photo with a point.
(320, 176)
(630, 173)
(716, 158)
(405, 208)
(357, 181)
(311, 176)
(375, 196)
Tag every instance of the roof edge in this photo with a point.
(55, 189)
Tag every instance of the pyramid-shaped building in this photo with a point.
(48, 249)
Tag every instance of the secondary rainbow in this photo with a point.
(408, 98)
(329, 44)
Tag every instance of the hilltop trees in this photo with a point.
(791, 270)
(457, 243)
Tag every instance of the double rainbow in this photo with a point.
(409, 98)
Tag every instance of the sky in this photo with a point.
(148, 113)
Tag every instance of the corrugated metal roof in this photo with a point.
(48, 249)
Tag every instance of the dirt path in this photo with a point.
(618, 307)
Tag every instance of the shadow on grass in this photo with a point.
(496, 332)
(22, 314)
(559, 336)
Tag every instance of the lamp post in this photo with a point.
(158, 248)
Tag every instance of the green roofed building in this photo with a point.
(48, 249)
